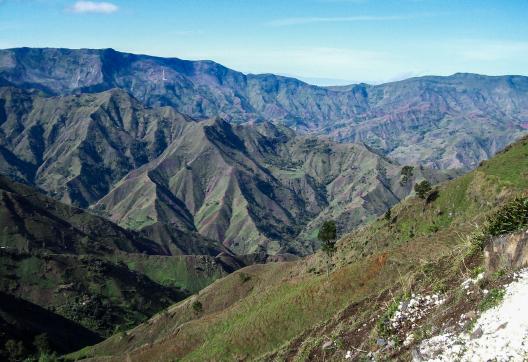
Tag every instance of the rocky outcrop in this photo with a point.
(507, 252)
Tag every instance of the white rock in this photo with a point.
(504, 332)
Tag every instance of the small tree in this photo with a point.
(388, 215)
(328, 235)
(422, 189)
(15, 350)
(197, 307)
(407, 173)
(41, 343)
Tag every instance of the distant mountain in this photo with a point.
(77, 146)
(443, 122)
(193, 186)
(259, 187)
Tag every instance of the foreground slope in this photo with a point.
(293, 311)
(485, 113)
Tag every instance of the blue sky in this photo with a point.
(321, 41)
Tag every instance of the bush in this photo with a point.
(197, 307)
(383, 326)
(15, 350)
(328, 234)
(432, 196)
(244, 277)
(509, 218)
(407, 173)
(42, 344)
(388, 215)
(422, 189)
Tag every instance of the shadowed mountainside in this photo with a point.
(83, 268)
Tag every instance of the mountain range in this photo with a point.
(130, 182)
(441, 122)
(249, 187)
(65, 271)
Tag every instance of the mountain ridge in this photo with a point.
(421, 111)
(255, 185)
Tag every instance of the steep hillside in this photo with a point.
(449, 122)
(259, 186)
(420, 255)
(192, 186)
(32, 221)
(77, 147)
(60, 264)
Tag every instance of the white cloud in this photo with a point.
(338, 19)
(307, 62)
(94, 7)
(491, 51)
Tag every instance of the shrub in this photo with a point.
(384, 327)
(15, 350)
(511, 217)
(422, 189)
(328, 234)
(244, 277)
(433, 228)
(41, 343)
(476, 271)
(407, 173)
(197, 307)
(388, 215)
(432, 196)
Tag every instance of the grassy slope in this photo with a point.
(189, 272)
(285, 309)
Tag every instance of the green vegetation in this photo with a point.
(327, 234)
(197, 307)
(185, 272)
(510, 217)
(42, 344)
(244, 277)
(388, 215)
(492, 299)
(15, 350)
(383, 326)
(422, 189)
(406, 173)
(281, 311)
